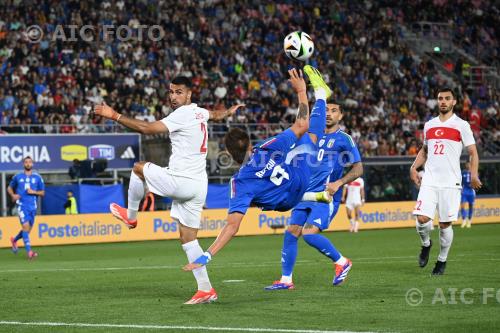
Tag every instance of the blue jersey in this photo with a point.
(468, 193)
(276, 175)
(466, 183)
(20, 183)
(335, 150)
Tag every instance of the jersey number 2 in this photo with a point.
(203, 148)
(278, 175)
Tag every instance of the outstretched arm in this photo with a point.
(225, 235)
(355, 172)
(301, 124)
(136, 125)
(222, 114)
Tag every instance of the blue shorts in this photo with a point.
(468, 197)
(315, 213)
(26, 216)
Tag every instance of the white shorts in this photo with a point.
(445, 200)
(351, 204)
(188, 194)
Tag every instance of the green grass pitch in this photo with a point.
(142, 283)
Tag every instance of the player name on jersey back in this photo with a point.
(445, 141)
(187, 126)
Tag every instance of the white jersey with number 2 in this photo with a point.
(187, 126)
(445, 141)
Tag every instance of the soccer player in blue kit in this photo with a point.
(468, 196)
(336, 149)
(24, 189)
(275, 174)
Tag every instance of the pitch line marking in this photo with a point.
(233, 265)
(232, 281)
(170, 327)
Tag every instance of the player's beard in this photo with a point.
(330, 125)
(179, 104)
(28, 168)
(445, 111)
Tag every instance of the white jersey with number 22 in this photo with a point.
(445, 141)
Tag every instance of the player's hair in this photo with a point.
(26, 158)
(446, 89)
(237, 141)
(182, 80)
(341, 106)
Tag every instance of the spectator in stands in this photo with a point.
(412, 149)
(239, 58)
(75, 169)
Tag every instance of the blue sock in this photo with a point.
(471, 211)
(19, 236)
(26, 239)
(323, 245)
(288, 253)
(317, 121)
(463, 213)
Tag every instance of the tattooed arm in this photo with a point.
(301, 124)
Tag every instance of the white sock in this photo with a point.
(342, 261)
(193, 251)
(320, 93)
(351, 221)
(445, 240)
(423, 229)
(286, 279)
(135, 195)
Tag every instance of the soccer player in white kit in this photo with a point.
(444, 138)
(184, 180)
(354, 198)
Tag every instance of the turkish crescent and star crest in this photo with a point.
(439, 132)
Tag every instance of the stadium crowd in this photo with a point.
(233, 52)
(474, 24)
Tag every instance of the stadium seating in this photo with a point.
(233, 52)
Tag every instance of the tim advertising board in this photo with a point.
(58, 151)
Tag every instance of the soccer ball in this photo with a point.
(298, 45)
